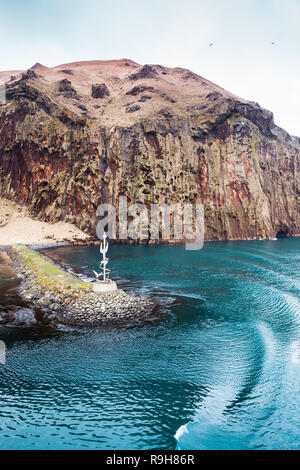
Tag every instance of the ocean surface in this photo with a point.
(218, 368)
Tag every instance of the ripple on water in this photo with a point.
(220, 370)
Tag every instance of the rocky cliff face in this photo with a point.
(79, 134)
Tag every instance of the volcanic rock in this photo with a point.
(100, 91)
(206, 146)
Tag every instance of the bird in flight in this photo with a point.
(273, 43)
(211, 44)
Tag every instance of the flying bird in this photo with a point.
(273, 43)
(211, 44)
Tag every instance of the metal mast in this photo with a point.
(103, 250)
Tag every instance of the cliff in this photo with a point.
(83, 133)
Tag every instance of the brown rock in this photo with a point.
(100, 91)
(147, 71)
(207, 146)
(65, 87)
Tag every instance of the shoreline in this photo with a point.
(58, 244)
(59, 297)
(17, 226)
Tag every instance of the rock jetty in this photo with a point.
(62, 297)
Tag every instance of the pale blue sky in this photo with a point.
(171, 33)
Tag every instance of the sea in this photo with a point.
(216, 367)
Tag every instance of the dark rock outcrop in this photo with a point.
(65, 87)
(132, 109)
(213, 96)
(100, 90)
(29, 75)
(147, 71)
(144, 98)
(67, 71)
(139, 89)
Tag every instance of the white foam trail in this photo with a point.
(295, 352)
(211, 410)
(180, 431)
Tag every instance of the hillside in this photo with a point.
(83, 133)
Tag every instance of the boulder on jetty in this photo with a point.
(64, 298)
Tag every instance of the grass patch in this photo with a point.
(47, 273)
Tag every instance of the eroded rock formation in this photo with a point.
(185, 140)
(100, 90)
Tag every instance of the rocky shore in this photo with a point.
(63, 298)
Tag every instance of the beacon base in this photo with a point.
(104, 286)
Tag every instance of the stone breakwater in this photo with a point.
(61, 297)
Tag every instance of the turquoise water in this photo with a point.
(219, 368)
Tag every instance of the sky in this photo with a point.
(174, 33)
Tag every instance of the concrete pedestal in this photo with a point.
(100, 286)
